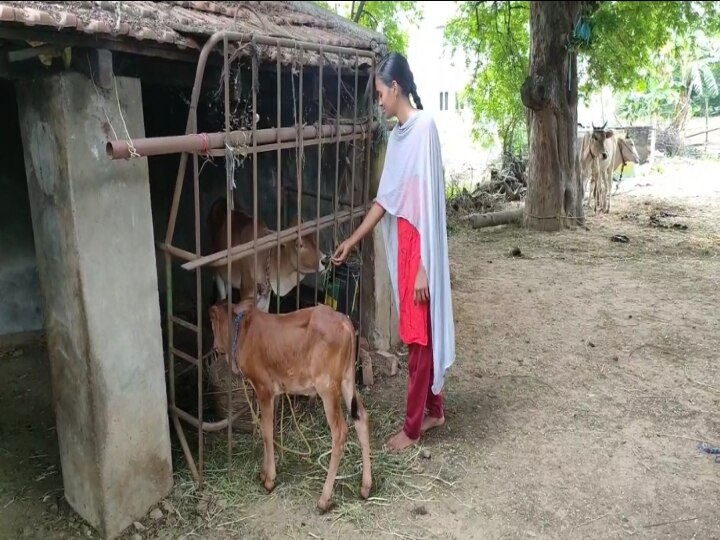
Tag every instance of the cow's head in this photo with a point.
(305, 256)
(597, 141)
(628, 150)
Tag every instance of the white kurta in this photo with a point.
(412, 186)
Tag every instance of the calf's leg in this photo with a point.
(267, 475)
(360, 417)
(598, 193)
(608, 189)
(338, 429)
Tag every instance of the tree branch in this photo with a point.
(359, 12)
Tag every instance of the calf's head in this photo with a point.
(224, 331)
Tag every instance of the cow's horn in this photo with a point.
(605, 124)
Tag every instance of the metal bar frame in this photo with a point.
(228, 144)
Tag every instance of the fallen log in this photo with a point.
(493, 219)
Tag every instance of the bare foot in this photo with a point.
(430, 422)
(400, 441)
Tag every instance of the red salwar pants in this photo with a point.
(416, 333)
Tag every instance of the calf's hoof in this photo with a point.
(323, 505)
(269, 485)
(364, 491)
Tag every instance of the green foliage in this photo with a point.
(386, 18)
(383, 17)
(628, 35)
(495, 37)
(698, 102)
(680, 76)
(623, 54)
(656, 100)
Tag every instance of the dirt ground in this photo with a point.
(586, 378)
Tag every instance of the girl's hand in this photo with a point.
(422, 290)
(342, 252)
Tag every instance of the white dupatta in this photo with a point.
(412, 186)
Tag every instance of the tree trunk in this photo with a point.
(492, 219)
(555, 193)
(682, 112)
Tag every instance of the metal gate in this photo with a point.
(228, 145)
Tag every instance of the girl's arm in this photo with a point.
(372, 218)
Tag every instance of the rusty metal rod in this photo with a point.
(199, 306)
(207, 427)
(279, 177)
(228, 211)
(200, 143)
(194, 99)
(319, 171)
(315, 194)
(366, 203)
(182, 322)
(299, 162)
(170, 329)
(336, 193)
(255, 84)
(175, 251)
(270, 240)
(288, 145)
(185, 356)
(348, 305)
(185, 447)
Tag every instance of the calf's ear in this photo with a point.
(609, 133)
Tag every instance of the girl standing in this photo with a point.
(410, 205)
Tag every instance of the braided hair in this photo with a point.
(395, 67)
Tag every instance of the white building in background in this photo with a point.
(440, 79)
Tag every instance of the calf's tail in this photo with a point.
(355, 403)
(354, 408)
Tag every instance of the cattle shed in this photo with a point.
(123, 122)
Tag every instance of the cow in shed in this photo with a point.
(307, 352)
(298, 258)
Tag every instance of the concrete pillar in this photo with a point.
(94, 244)
(380, 315)
(386, 328)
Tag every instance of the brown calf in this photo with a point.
(307, 352)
